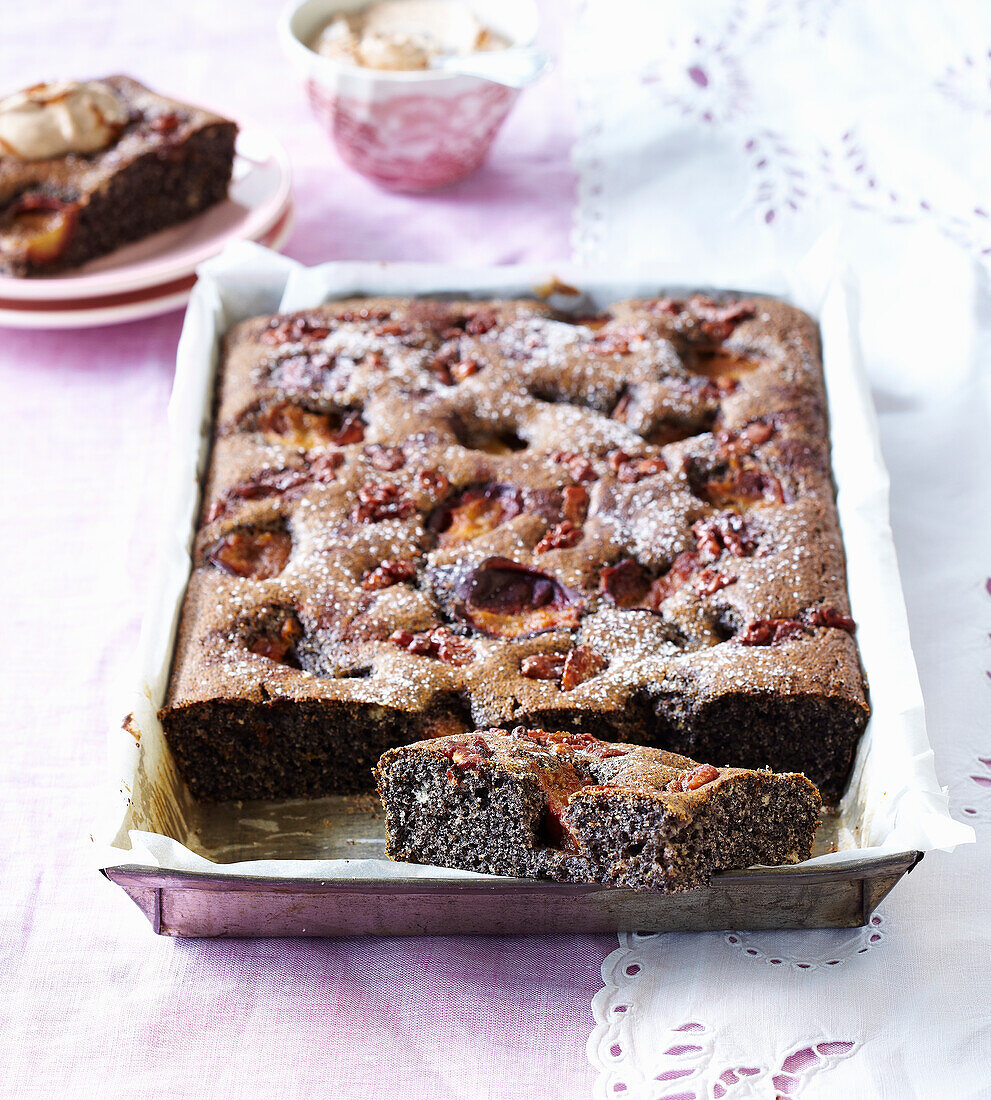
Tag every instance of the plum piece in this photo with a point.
(628, 585)
(474, 512)
(503, 599)
(279, 640)
(252, 554)
(298, 426)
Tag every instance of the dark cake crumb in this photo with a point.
(538, 804)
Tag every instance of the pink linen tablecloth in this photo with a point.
(732, 130)
(93, 1004)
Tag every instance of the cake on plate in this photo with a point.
(87, 166)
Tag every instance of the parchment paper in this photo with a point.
(894, 802)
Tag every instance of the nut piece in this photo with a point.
(630, 469)
(561, 742)
(381, 502)
(718, 319)
(828, 616)
(769, 631)
(472, 753)
(729, 531)
(692, 780)
(387, 574)
(744, 441)
(301, 328)
(543, 666)
(568, 669)
(432, 482)
(385, 458)
(710, 581)
(438, 643)
(580, 468)
(582, 664)
(560, 537)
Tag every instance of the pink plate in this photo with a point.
(258, 208)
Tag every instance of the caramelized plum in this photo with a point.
(298, 426)
(251, 553)
(504, 599)
(628, 585)
(474, 512)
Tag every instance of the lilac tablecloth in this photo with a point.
(93, 1004)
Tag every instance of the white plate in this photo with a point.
(257, 208)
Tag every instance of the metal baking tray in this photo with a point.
(310, 868)
(185, 904)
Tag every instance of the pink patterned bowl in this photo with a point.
(407, 131)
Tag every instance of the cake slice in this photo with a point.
(567, 806)
(86, 167)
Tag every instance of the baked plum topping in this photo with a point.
(380, 502)
(278, 642)
(504, 599)
(745, 440)
(559, 784)
(438, 643)
(738, 486)
(628, 585)
(729, 532)
(48, 222)
(388, 573)
(720, 365)
(297, 426)
(692, 780)
(252, 554)
(562, 536)
(285, 482)
(474, 512)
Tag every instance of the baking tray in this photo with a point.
(316, 867)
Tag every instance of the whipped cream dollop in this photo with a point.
(405, 35)
(52, 120)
